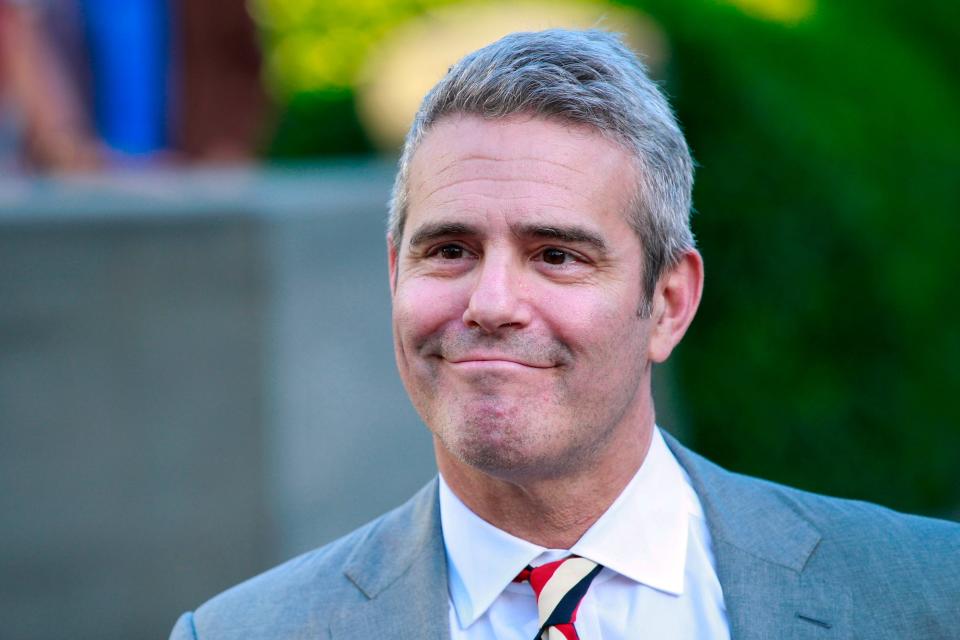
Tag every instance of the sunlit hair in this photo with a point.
(584, 77)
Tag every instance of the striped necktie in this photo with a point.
(559, 587)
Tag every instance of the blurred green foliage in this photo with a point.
(315, 51)
(826, 353)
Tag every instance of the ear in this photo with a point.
(392, 263)
(675, 303)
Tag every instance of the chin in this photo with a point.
(521, 446)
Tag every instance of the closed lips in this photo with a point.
(495, 359)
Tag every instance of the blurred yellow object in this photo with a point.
(412, 58)
(783, 11)
(312, 45)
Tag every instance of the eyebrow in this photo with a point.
(571, 234)
(436, 230)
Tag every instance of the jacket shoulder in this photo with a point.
(291, 596)
(865, 537)
(297, 598)
(897, 565)
(752, 513)
(897, 571)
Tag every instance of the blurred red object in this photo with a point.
(55, 127)
(221, 103)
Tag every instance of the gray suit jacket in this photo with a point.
(791, 565)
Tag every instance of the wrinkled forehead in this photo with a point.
(514, 149)
(518, 122)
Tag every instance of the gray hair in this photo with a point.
(584, 77)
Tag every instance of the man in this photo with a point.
(541, 262)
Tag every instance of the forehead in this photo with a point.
(518, 162)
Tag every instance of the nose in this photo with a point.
(497, 300)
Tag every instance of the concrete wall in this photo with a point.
(196, 382)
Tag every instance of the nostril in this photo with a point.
(496, 300)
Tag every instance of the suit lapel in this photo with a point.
(762, 546)
(401, 568)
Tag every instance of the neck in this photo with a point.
(553, 512)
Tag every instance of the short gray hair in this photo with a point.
(585, 77)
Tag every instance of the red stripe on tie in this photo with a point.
(558, 609)
(542, 574)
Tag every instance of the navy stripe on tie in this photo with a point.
(569, 603)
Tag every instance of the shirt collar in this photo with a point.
(642, 535)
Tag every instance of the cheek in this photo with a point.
(422, 307)
(589, 323)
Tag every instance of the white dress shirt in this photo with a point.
(659, 578)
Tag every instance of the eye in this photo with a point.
(450, 252)
(555, 256)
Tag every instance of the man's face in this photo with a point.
(516, 292)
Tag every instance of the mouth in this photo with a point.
(494, 361)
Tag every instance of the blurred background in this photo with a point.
(196, 371)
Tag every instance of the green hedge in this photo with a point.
(826, 353)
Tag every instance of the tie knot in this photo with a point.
(559, 587)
